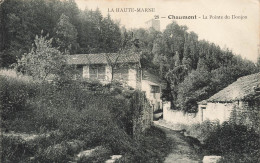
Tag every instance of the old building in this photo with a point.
(242, 97)
(126, 69)
(152, 85)
(240, 101)
(106, 67)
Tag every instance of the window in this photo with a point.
(97, 72)
(155, 89)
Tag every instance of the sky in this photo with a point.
(239, 35)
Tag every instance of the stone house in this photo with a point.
(242, 97)
(106, 67)
(124, 68)
(152, 86)
(240, 101)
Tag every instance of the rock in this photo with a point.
(211, 159)
(85, 153)
(113, 158)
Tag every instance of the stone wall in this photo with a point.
(142, 113)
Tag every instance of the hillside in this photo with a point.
(54, 122)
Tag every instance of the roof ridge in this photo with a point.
(248, 76)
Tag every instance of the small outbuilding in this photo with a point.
(242, 96)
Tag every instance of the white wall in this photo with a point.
(146, 87)
(108, 73)
(178, 117)
(132, 78)
(213, 112)
(132, 75)
(217, 111)
(85, 72)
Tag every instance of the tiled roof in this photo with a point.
(242, 89)
(102, 58)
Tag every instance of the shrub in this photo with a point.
(202, 130)
(53, 153)
(15, 149)
(76, 114)
(13, 95)
(236, 140)
(153, 146)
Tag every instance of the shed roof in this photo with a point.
(153, 79)
(242, 89)
(102, 58)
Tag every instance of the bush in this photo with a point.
(13, 95)
(202, 130)
(153, 146)
(236, 141)
(53, 153)
(15, 149)
(71, 113)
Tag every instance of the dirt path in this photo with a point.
(182, 151)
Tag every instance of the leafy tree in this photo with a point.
(43, 60)
(110, 36)
(66, 35)
(194, 88)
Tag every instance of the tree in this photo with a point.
(43, 60)
(258, 61)
(125, 48)
(110, 36)
(66, 35)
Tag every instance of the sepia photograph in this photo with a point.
(129, 81)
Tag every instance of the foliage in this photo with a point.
(193, 88)
(192, 69)
(68, 113)
(43, 60)
(202, 130)
(83, 32)
(15, 149)
(53, 153)
(66, 35)
(153, 146)
(234, 141)
(14, 95)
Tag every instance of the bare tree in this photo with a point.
(113, 58)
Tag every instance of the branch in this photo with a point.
(1, 1)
